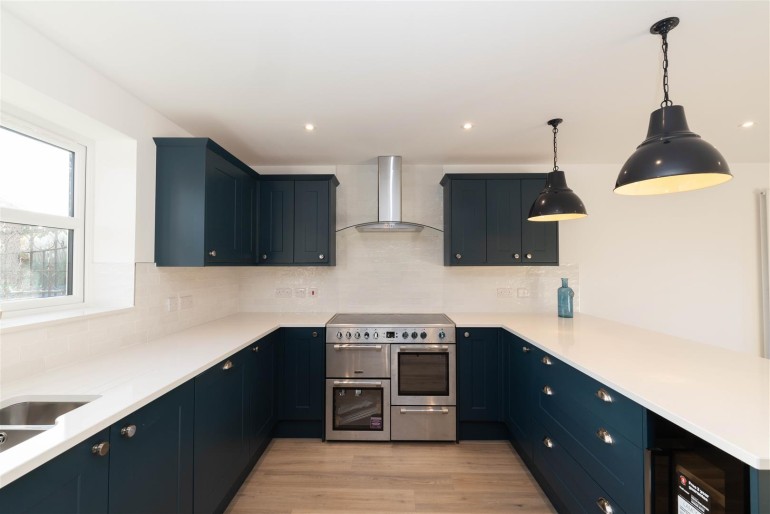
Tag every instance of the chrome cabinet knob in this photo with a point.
(227, 365)
(548, 442)
(458, 256)
(467, 334)
(320, 256)
(314, 334)
(255, 349)
(526, 349)
(101, 449)
(604, 395)
(546, 360)
(213, 253)
(604, 505)
(529, 256)
(604, 435)
(264, 256)
(547, 390)
(128, 431)
(515, 255)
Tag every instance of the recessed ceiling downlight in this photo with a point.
(467, 125)
(747, 124)
(309, 127)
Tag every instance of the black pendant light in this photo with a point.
(556, 202)
(671, 159)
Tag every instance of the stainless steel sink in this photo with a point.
(36, 412)
(10, 437)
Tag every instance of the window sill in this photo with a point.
(16, 321)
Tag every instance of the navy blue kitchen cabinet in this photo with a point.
(590, 441)
(479, 375)
(221, 445)
(260, 392)
(467, 237)
(519, 358)
(297, 220)
(539, 239)
(485, 221)
(74, 482)
(301, 384)
(151, 456)
(205, 205)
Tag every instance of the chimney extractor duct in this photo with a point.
(389, 199)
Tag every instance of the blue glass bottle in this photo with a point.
(565, 299)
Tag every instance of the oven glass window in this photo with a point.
(423, 374)
(357, 409)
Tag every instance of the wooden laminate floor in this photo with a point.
(301, 476)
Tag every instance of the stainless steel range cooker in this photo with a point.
(391, 377)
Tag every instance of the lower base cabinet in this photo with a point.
(300, 392)
(151, 457)
(74, 482)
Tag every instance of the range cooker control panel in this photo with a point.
(417, 335)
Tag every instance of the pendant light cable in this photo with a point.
(666, 102)
(555, 131)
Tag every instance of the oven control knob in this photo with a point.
(441, 335)
(423, 335)
(405, 335)
(339, 335)
(347, 334)
(414, 335)
(358, 335)
(366, 335)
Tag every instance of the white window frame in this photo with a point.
(76, 223)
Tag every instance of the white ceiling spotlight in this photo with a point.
(747, 124)
(309, 127)
(467, 125)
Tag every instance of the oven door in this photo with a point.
(357, 360)
(357, 410)
(423, 374)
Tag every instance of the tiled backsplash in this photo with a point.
(401, 272)
(214, 293)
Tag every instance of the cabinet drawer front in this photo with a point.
(618, 466)
(627, 417)
(574, 487)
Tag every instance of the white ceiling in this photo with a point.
(402, 77)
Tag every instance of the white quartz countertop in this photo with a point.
(722, 396)
(719, 395)
(130, 379)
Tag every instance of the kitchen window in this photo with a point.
(42, 208)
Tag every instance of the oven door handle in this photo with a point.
(422, 348)
(424, 410)
(358, 347)
(357, 383)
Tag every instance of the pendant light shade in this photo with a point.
(672, 158)
(557, 202)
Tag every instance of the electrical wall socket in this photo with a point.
(283, 292)
(300, 292)
(185, 302)
(172, 304)
(504, 292)
(522, 292)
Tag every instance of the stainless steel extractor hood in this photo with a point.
(389, 199)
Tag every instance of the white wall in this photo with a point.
(41, 81)
(686, 264)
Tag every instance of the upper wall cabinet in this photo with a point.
(297, 218)
(485, 221)
(205, 205)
